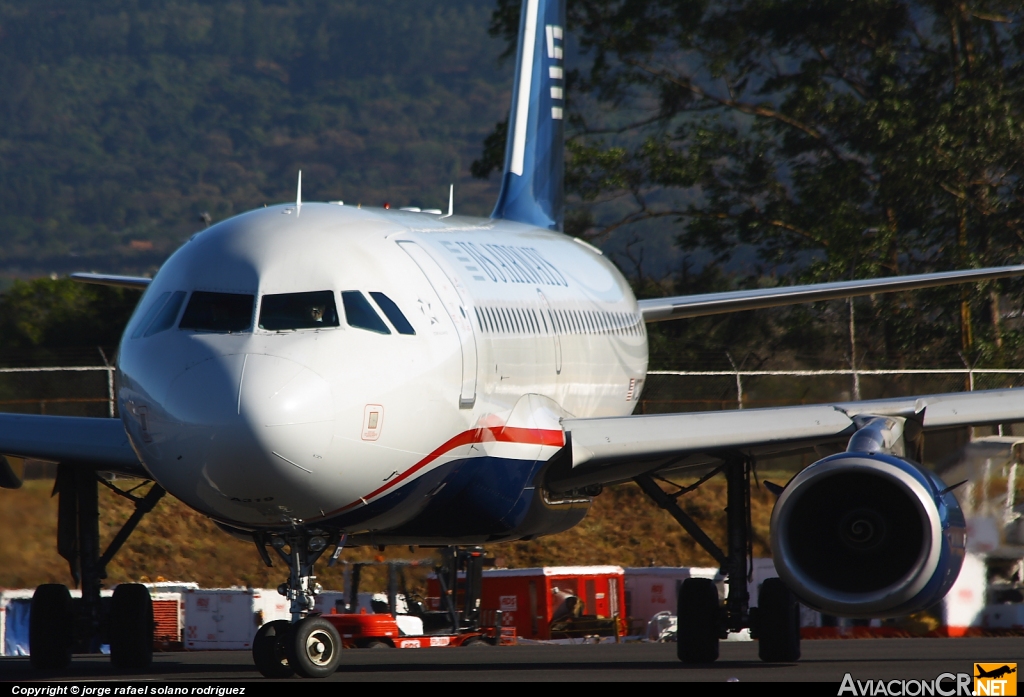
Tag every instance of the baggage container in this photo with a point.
(222, 618)
(653, 589)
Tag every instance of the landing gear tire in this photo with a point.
(313, 648)
(268, 650)
(131, 627)
(378, 645)
(697, 617)
(51, 627)
(778, 623)
(477, 642)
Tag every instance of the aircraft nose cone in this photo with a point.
(258, 428)
(289, 409)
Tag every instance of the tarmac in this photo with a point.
(822, 661)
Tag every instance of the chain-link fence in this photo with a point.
(63, 390)
(89, 390)
(703, 390)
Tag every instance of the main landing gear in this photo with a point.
(60, 625)
(702, 618)
(308, 645)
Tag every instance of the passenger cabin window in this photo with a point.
(359, 313)
(393, 313)
(218, 312)
(287, 311)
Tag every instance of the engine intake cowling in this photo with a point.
(867, 535)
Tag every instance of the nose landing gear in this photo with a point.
(308, 645)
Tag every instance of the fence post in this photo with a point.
(110, 382)
(853, 356)
(739, 382)
(110, 391)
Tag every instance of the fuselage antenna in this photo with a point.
(451, 201)
(298, 194)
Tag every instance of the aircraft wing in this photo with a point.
(615, 449)
(103, 279)
(99, 443)
(682, 306)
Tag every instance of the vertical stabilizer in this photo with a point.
(531, 185)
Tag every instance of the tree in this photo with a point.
(59, 321)
(842, 139)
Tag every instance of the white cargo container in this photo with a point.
(15, 607)
(650, 590)
(226, 619)
(653, 589)
(14, 623)
(964, 604)
(222, 618)
(1005, 616)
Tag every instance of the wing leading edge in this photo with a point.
(683, 306)
(103, 279)
(99, 443)
(615, 449)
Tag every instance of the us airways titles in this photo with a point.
(506, 264)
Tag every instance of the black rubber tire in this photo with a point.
(131, 627)
(778, 623)
(477, 641)
(51, 627)
(268, 650)
(313, 648)
(378, 644)
(698, 619)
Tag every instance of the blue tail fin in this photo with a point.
(531, 185)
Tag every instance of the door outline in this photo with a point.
(554, 331)
(455, 299)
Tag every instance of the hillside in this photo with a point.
(174, 542)
(121, 122)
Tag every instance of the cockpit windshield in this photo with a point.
(218, 312)
(298, 311)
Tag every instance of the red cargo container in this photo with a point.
(529, 598)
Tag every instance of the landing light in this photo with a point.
(316, 544)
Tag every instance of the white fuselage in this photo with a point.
(515, 327)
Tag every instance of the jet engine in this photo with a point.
(866, 533)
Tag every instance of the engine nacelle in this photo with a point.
(867, 535)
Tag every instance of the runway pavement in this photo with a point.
(823, 660)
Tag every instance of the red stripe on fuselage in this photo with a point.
(498, 434)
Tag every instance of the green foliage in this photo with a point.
(49, 322)
(122, 121)
(835, 139)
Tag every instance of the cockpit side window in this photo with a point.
(150, 314)
(165, 319)
(393, 313)
(360, 313)
(285, 311)
(218, 312)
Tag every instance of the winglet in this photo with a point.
(531, 185)
(298, 194)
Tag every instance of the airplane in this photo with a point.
(995, 672)
(312, 375)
